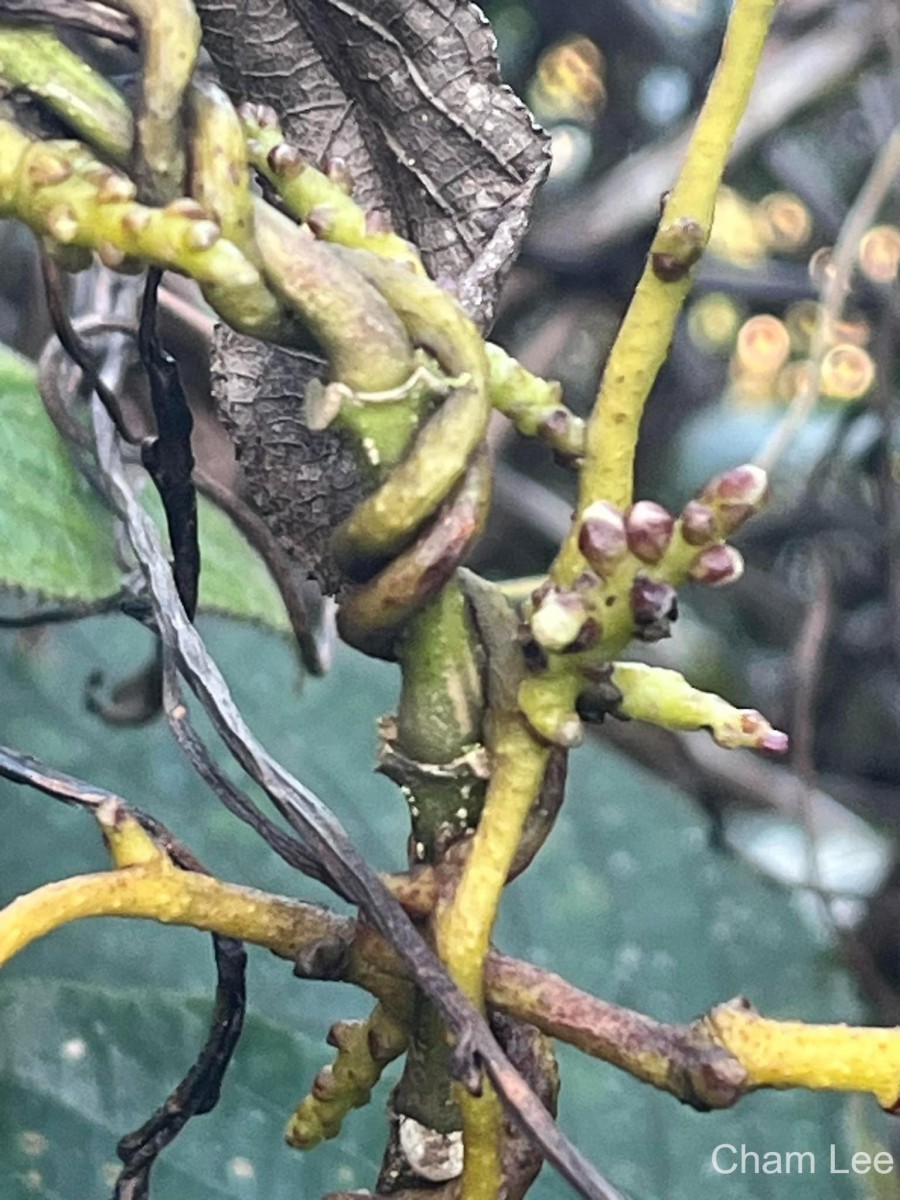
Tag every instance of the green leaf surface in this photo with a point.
(628, 900)
(56, 535)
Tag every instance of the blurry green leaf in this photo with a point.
(56, 536)
(628, 900)
(81, 1065)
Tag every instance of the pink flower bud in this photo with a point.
(698, 524)
(649, 530)
(755, 725)
(736, 495)
(718, 566)
(602, 538)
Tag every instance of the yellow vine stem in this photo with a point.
(783, 1054)
(646, 333)
(148, 884)
(769, 1053)
(463, 927)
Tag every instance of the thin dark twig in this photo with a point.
(75, 348)
(198, 1092)
(238, 803)
(60, 614)
(171, 455)
(168, 457)
(340, 859)
(92, 18)
(26, 769)
(265, 544)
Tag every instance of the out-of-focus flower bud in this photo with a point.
(879, 253)
(698, 524)
(763, 345)
(848, 372)
(736, 495)
(718, 566)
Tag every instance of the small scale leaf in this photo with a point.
(56, 534)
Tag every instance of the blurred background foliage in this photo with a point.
(657, 889)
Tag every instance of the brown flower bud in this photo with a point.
(62, 223)
(587, 581)
(324, 1085)
(111, 256)
(602, 538)
(602, 698)
(262, 115)
(46, 168)
(588, 636)
(202, 235)
(135, 220)
(676, 248)
(339, 173)
(185, 206)
(378, 222)
(285, 161)
(649, 530)
(718, 566)
(542, 591)
(115, 189)
(321, 219)
(654, 605)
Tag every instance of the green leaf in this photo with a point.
(56, 535)
(628, 900)
(80, 1065)
(54, 532)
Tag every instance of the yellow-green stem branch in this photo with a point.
(715, 1059)
(463, 927)
(646, 333)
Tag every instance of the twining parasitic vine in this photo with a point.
(493, 696)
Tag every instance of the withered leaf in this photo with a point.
(408, 94)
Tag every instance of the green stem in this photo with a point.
(37, 61)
